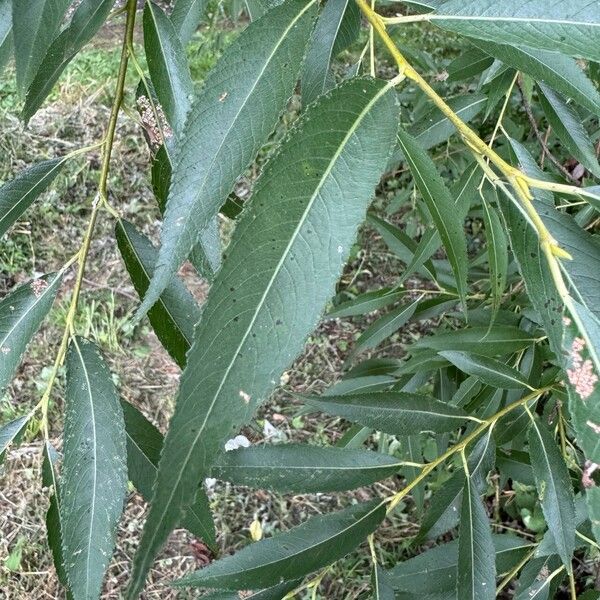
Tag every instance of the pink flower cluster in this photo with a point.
(581, 374)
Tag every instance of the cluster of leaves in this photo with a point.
(507, 386)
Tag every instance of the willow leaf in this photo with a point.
(11, 432)
(302, 468)
(167, 66)
(559, 72)
(297, 552)
(35, 23)
(382, 589)
(174, 315)
(94, 472)
(249, 335)
(18, 194)
(21, 314)
(476, 568)
(277, 592)
(337, 27)
(392, 412)
(172, 84)
(86, 20)
(567, 126)
(439, 201)
(6, 35)
(571, 28)
(489, 370)
(237, 108)
(554, 488)
(497, 249)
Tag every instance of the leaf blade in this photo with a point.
(94, 473)
(247, 98)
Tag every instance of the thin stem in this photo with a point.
(101, 196)
(515, 570)
(372, 45)
(460, 446)
(400, 20)
(572, 588)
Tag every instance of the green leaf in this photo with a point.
(382, 589)
(337, 27)
(567, 126)
(497, 248)
(144, 445)
(383, 327)
(301, 468)
(54, 526)
(6, 35)
(488, 370)
(167, 66)
(399, 243)
(366, 303)
(248, 336)
(435, 570)
(476, 568)
(468, 64)
(21, 314)
(554, 489)
(11, 432)
(571, 28)
(238, 107)
(87, 19)
(35, 23)
(174, 315)
(539, 578)
(94, 473)
(185, 17)
(439, 201)
(297, 552)
(17, 195)
(486, 341)
(392, 412)
(559, 72)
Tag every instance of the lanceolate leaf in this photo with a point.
(35, 23)
(17, 195)
(337, 27)
(87, 19)
(441, 206)
(304, 469)
(571, 28)
(297, 552)
(392, 412)
(384, 327)
(54, 527)
(566, 124)
(237, 108)
(10, 433)
(488, 370)
(497, 248)
(144, 445)
(174, 90)
(559, 72)
(497, 340)
(366, 303)
(185, 17)
(6, 43)
(476, 568)
(468, 64)
(554, 489)
(21, 314)
(167, 66)
(94, 472)
(249, 335)
(174, 315)
(435, 570)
